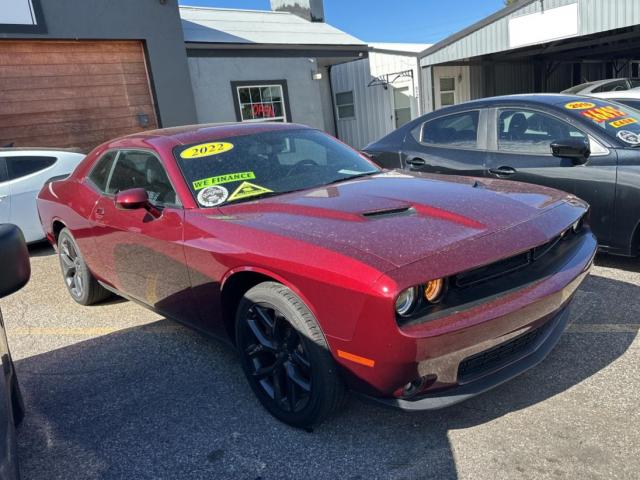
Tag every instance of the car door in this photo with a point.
(27, 174)
(521, 150)
(449, 144)
(5, 193)
(142, 254)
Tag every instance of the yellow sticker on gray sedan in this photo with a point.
(220, 179)
(623, 122)
(206, 150)
(247, 190)
(579, 105)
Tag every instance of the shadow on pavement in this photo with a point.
(163, 402)
(41, 249)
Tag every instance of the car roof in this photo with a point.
(41, 150)
(631, 93)
(550, 99)
(190, 134)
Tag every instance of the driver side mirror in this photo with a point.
(14, 258)
(577, 149)
(134, 199)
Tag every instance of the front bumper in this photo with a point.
(476, 347)
(512, 367)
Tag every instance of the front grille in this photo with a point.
(499, 356)
(510, 264)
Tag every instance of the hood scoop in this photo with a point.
(389, 212)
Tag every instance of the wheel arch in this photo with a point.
(238, 281)
(56, 228)
(635, 241)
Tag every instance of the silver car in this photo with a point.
(23, 172)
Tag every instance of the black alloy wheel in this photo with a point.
(285, 356)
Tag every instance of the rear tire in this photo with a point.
(285, 356)
(80, 282)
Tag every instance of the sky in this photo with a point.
(411, 21)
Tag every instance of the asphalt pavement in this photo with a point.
(117, 392)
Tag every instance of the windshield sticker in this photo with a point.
(248, 190)
(206, 150)
(629, 137)
(227, 178)
(579, 105)
(212, 196)
(602, 114)
(623, 122)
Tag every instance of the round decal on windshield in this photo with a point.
(629, 137)
(212, 196)
(206, 150)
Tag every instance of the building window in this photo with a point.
(344, 102)
(261, 101)
(447, 91)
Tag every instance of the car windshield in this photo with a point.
(248, 167)
(617, 120)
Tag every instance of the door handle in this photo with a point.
(2, 197)
(502, 171)
(416, 162)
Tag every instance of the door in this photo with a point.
(521, 145)
(142, 254)
(5, 193)
(72, 93)
(450, 144)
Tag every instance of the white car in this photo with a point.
(23, 172)
(609, 85)
(630, 98)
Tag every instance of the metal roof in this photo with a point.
(491, 34)
(233, 26)
(410, 49)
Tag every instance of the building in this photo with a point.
(249, 65)
(375, 95)
(534, 46)
(74, 73)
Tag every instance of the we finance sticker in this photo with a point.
(247, 190)
(206, 150)
(220, 179)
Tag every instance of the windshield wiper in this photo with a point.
(352, 177)
(260, 196)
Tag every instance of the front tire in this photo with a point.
(80, 282)
(285, 356)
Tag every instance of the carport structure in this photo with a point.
(534, 46)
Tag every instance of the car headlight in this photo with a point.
(406, 301)
(434, 290)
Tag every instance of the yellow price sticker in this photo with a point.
(206, 150)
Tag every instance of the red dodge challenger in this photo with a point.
(325, 272)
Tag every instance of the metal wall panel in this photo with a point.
(593, 16)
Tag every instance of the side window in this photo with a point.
(458, 130)
(23, 166)
(100, 173)
(526, 131)
(138, 169)
(3, 170)
(613, 86)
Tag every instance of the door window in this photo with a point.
(22, 166)
(526, 131)
(3, 170)
(458, 130)
(99, 176)
(447, 91)
(612, 86)
(139, 169)
(402, 106)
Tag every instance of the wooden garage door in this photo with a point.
(72, 94)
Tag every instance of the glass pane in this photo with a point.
(459, 130)
(402, 116)
(447, 84)
(255, 95)
(346, 111)
(532, 132)
(447, 99)
(401, 97)
(247, 113)
(344, 98)
(276, 94)
(278, 109)
(23, 166)
(244, 95)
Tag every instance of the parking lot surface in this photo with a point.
(117, 392)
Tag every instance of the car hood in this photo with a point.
(398, 217)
